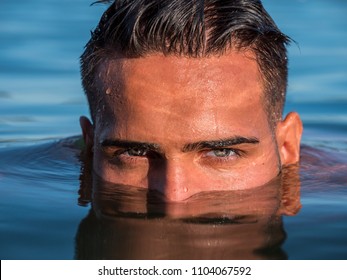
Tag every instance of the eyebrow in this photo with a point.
(218, 144)
(214, 144)
(130, 145)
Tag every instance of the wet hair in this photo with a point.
(189, 28)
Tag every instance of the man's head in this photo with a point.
(187, 96)
(193, 29)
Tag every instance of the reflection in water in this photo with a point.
(130, 223)
(38, 179)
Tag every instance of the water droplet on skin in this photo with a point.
(185, 189)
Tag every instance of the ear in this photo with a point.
(87, 132)
(288, 134)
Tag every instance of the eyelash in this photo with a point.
(237, 153)
(120, 157)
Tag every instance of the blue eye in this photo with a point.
(221, 153)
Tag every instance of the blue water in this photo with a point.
(41, 100)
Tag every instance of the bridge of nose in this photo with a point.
(176, 179)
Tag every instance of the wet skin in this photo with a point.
(182, 126)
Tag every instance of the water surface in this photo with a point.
(45, 191)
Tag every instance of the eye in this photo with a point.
(222, 153)
(130, 157)
(136, 152)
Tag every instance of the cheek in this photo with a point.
(241, 177)
(255, 169)
(262, 169)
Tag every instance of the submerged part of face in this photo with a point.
(239, 224)
(260, 203)
(182, 126)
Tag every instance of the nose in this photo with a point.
(174, 179)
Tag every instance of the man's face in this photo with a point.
(182, 126)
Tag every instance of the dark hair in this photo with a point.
(191, 28)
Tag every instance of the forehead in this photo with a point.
(188, 93)
(211, 72)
